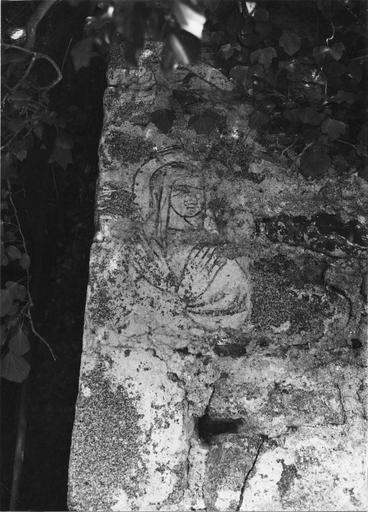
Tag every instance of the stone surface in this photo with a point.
(224, 355)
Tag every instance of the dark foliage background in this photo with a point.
(55, 205)
(301, 64)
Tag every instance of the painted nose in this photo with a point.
(191, 200)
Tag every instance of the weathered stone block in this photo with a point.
(224, 349)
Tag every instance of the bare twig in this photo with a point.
(25, 74)
(296, 161)
(362, 57)
(35, 56)
(66, 54)
(34, 20)
(346, 143)
(201, 78)
(36, 333)
(332, 36)
(6, 144)
(28, 280)
(288, 147)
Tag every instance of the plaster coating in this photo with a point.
(224, 352)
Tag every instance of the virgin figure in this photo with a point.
(178, 255)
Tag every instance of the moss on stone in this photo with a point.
(110, 422)
(288, 475)
(127, 148)
(276, 298)
(118, 202)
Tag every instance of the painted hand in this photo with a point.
(201, 268)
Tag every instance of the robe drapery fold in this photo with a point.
(214, 293)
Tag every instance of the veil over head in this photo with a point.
(153, 191)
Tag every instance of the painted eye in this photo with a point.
(181, 190)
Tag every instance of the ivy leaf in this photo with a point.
(38, 131)
(17, 124)
(261, 14)
(309, 115)
(17, 291)
(25, 261)
(13, 252)
(314, 162)
(334, 128)
(8, 169)
(206, 122)
(6, 302)
(64, 141)
(61, 153)
(163, 119)
(263, 56)
(258, 119)
(290, 42)
(3, 333)
(181, 48)
(240, 76)
(344, 97)
(14, 368)
(188, 18)
(19, 343)
(337, 50)
(82, 53)
(20, 153)
(226, 51)
(61, 156)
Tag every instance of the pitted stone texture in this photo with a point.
(310, 467)
(132, 415)
(224, 480)
(224, 354)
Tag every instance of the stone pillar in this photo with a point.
(224, 350)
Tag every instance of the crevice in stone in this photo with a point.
(154, 353)
(242, 490)
(352, 230)
(301, 231)
(230, 350)
(341, 400)
(356, 344)
(361, 400)
(208, 428)
(345, 296)
(183, 351)
(187, 460)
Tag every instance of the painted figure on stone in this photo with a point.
(178, 253)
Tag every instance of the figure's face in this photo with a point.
(187, 197)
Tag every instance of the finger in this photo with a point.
(155, 248)
(219, 262)
(208, 252)
(196, 250)
(212, 257)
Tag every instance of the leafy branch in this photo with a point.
(29, 303)
(34, 57)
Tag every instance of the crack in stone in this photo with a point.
(361, 400)
(341, 400)
(242, 490)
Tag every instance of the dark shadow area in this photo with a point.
(231, 350)
(56, 210)
(208, 428)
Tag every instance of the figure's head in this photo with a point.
(177, 194)
(187, 198)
